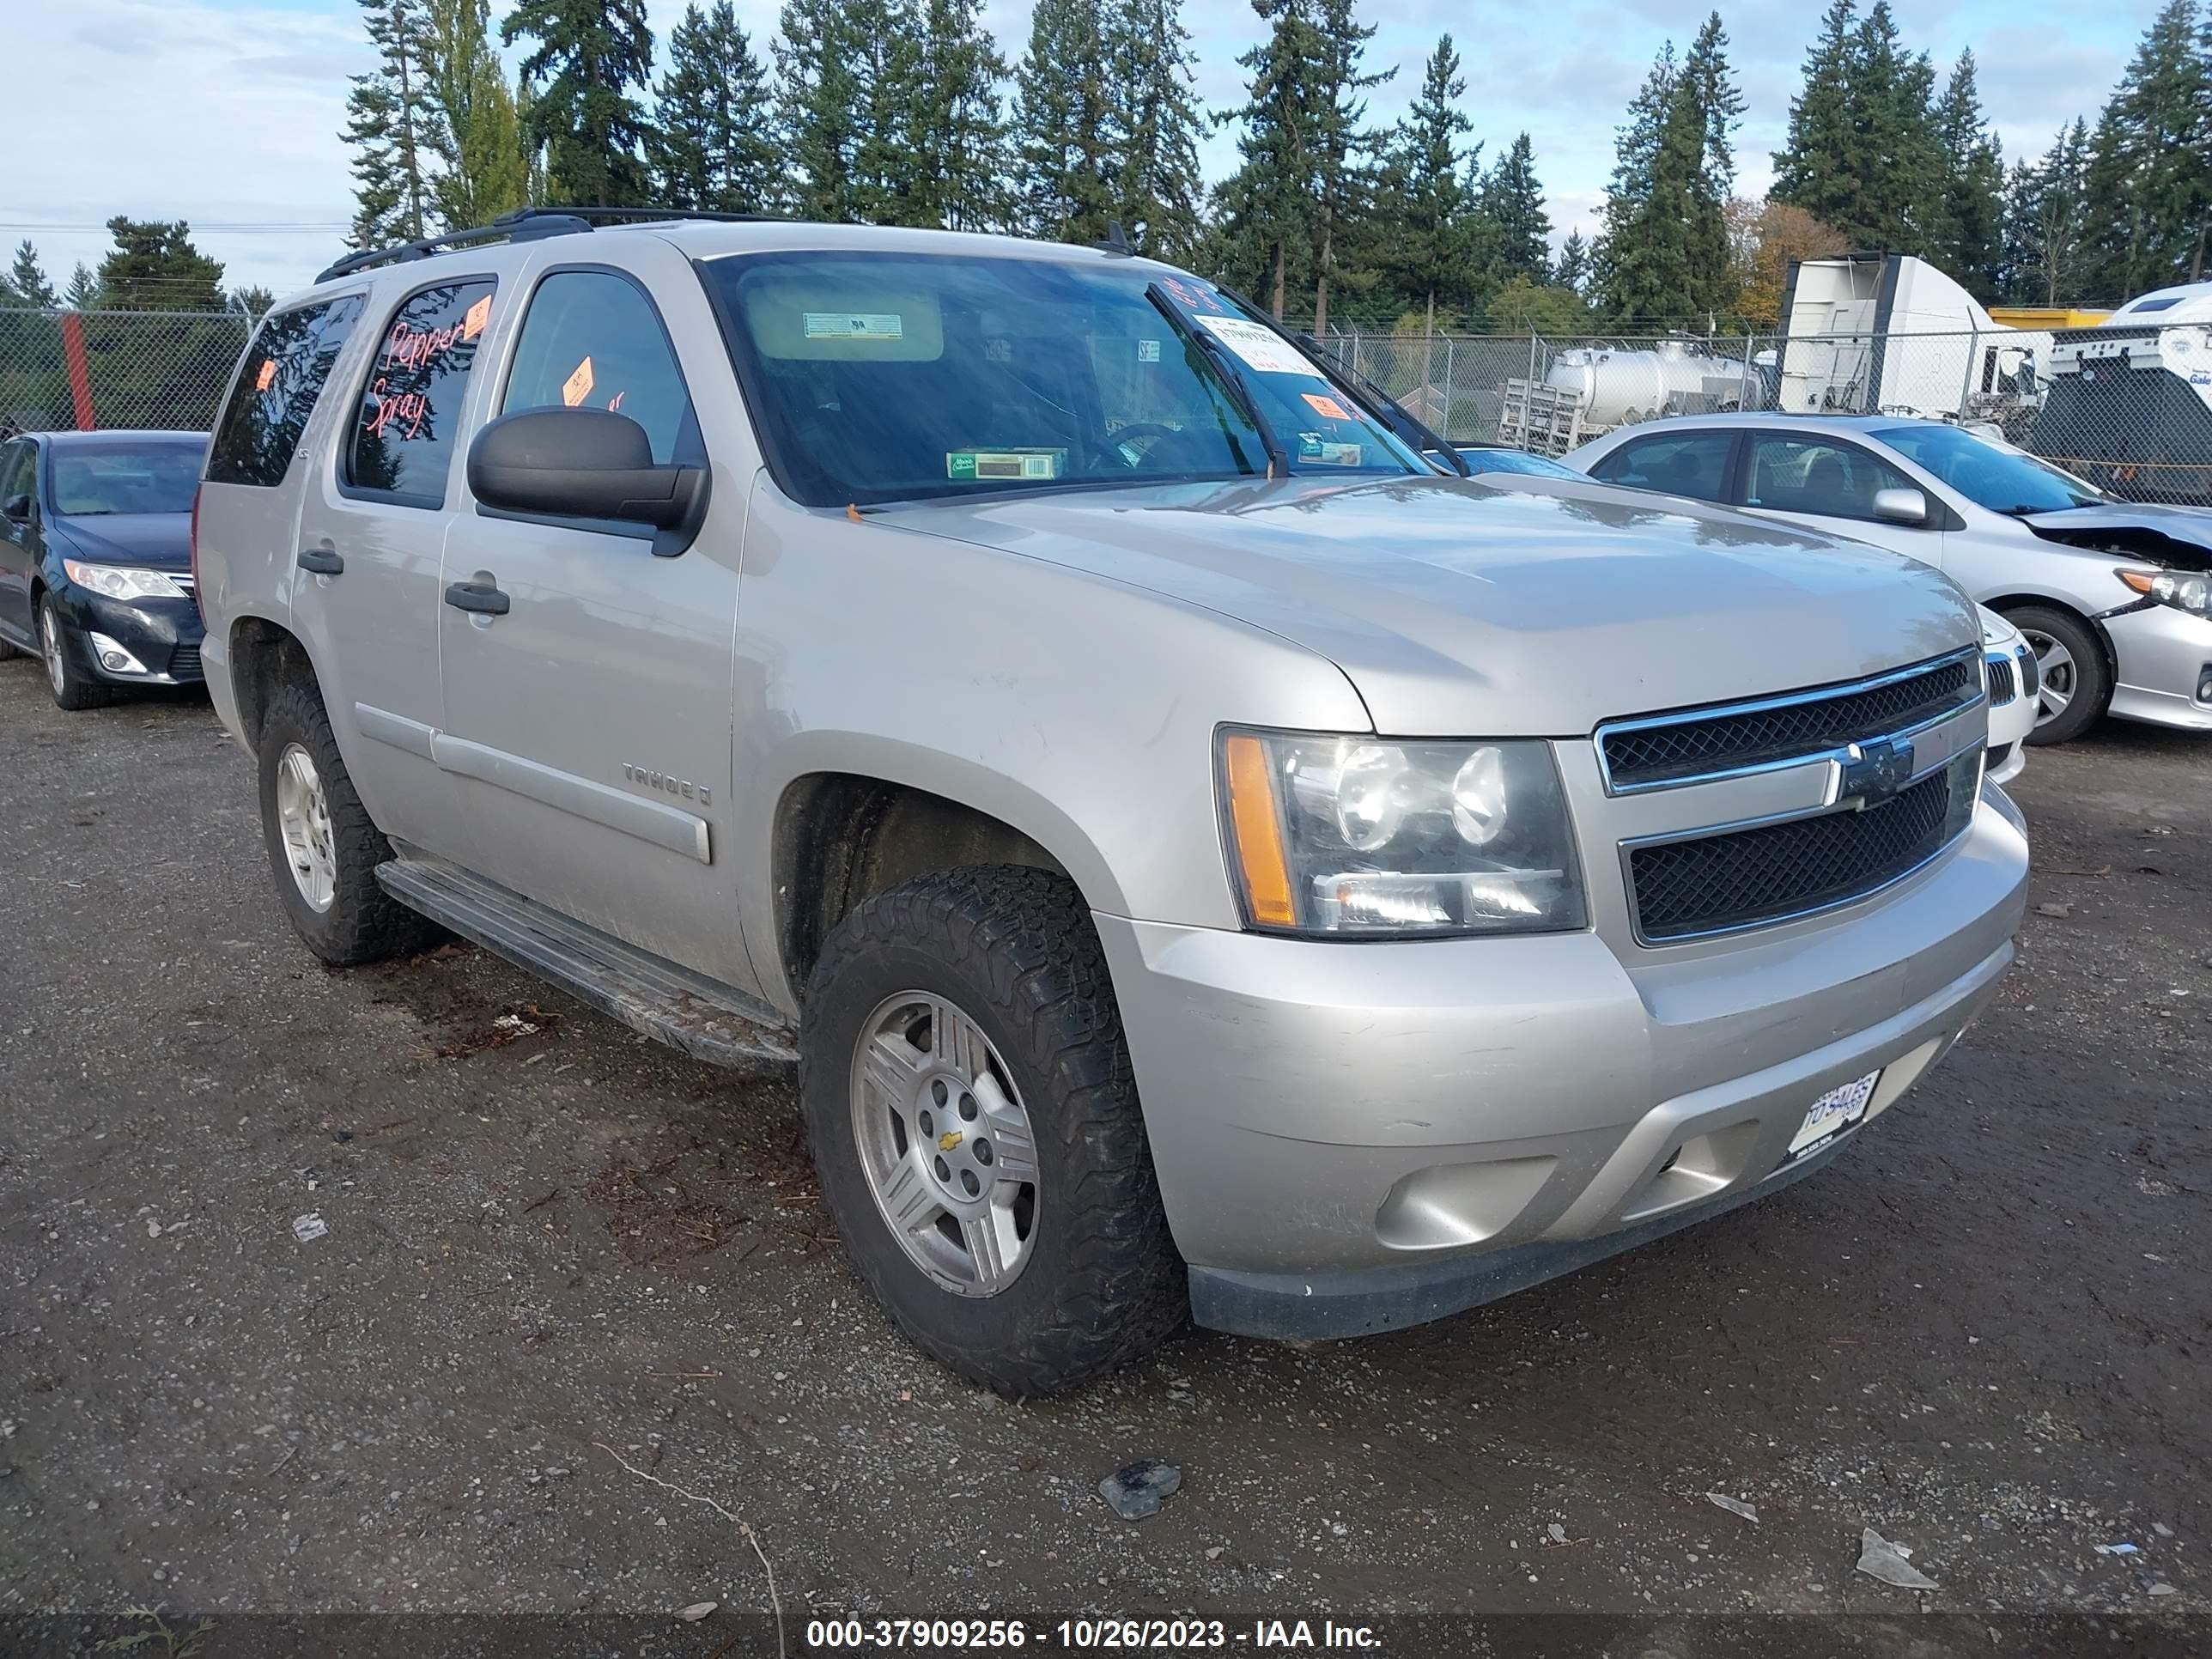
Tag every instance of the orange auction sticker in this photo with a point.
(578, 386)
(474, 318)
(262, 381)
(1327, 408)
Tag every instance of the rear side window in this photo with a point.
(285, 369)
(402, 445)
(592, 340)
(1692, 463)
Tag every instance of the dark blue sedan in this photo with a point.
(95, 559)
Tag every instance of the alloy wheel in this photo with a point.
(50, 648)
(303, 816)
(2056, 666)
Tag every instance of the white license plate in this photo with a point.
(1833, 1113)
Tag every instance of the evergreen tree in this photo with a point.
(154, 267)
(1892, 103)
(389, 126)
(1425, 240)
(478, 134)
(2046, 234)
(1572, 271)
(1520, 230)
(251, 301)
(1265, 208)
(1342, 148)
(1820, 166)
(26, 284)
(954, 159)
(1967, 235)
(588, 56)
(712, 147)
(83, 293)
(1665, 255)
(1060, 126)
(2150, 161)
(1157, 126)
(845, 76)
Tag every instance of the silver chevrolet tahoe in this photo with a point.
(1206, 857)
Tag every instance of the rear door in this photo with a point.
(588, 718)
(372, 532)
(1829, 485)
(19, 465)
(1698, 464)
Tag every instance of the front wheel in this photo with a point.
(968, 1092)
(68, 676)
(2069, 659)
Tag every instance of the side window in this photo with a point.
(18, 467)
(410, 410)
(285, 369)
(1682, 464)
(1812, 475)
(592, 340)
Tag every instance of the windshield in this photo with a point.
(1518, 460)
(95, 481)
(1995, 476)
(881, 377)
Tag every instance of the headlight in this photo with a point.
(2177, 588)
(120, 582)
(1352, 837)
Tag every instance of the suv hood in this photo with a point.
(2180, 537)
(1520, 607)
(152, 541)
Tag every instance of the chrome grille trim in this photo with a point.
(2003, 686)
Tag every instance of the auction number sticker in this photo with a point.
(1260, 348)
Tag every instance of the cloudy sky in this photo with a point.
(226, 113)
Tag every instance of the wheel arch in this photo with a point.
(264, 654)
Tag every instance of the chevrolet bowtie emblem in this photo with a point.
(1870, 774)
(949, 1140)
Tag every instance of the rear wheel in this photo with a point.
(2069, 659)
(968, 1095)
(68, 675)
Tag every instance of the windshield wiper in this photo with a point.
(1210, 348)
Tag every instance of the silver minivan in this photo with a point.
(1204, 860)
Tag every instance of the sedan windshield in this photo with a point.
(881, 377)
(1995, 476)
(98, 480)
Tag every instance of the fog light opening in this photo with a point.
(113, 657)
(1673, 1159)
(2204, 684)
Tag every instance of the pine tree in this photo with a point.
(83, 293)
(251, 301)
(1966, 236)
(2046, 231)
(1665, 255)
(845, 74)
(1265, 208)
(1060, 126)
(1342, 148)
(1573, 270)
(1157, 125)
(588, 56)
(389, 126)
(154, 267)
(712, 147)
(1892, 103)
(1520, 231)
(478, 134)
(954, 139)
(2150, 161)
(1820, 168)
(1423, 237)
(26, 282)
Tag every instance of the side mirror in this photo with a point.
(1900, 506)
(17, 508)
(581, 464)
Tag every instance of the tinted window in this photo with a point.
(1811, 475)
(87, 481)
(879, 377)
(592, 340)
(15, 470)
(285, 369)
(411, 409)
(1687, 463)
(1995, 476)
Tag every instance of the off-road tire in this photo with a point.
(80, 688)
(1015, 948)
(2093, 676)
(364, 923)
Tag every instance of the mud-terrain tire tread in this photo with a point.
(1027, 936)
(2090, 672)
(81, 688)
(364, 923)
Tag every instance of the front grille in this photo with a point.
(2002, 690)
(184, 662)
(1773, 871)
(1694, 744)
(2031, 674)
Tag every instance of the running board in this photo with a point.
(705, 1019)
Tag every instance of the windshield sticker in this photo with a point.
(1327, 408)
(854, 325)
(1148, 351)
(1260, 348)
(474, 318)
(1191, 296)
(578, 386)
(1313, 447)
(1003, 465)
(267, 377)
(998, 350)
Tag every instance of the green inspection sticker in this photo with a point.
(1003, 465)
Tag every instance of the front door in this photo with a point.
(19, 538)
(1828, 485)
(587, 665)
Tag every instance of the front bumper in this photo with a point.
(163, 634)
(2164, 655)
(1353, 1137)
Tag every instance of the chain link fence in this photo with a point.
(62, 370)
(2130, 411)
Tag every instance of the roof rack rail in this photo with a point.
(524, 224)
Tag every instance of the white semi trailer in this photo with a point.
(2131, 403)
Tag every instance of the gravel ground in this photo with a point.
(563, 1266)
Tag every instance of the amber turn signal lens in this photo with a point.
(1259, 833)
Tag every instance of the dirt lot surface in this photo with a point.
(561, 1266)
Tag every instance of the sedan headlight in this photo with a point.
(120, 582)
(2179, 589)
(1352, 837)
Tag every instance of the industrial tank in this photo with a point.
(1617, 387)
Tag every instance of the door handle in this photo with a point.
(321, 561)
(482, 598)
